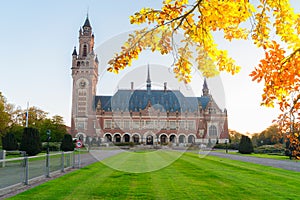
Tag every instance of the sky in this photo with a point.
(38, 37)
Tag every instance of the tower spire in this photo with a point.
(148, 80)
(205, 89)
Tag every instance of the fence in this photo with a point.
(18, 171)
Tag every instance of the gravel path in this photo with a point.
(283, 164)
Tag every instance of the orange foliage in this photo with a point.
(197, 20)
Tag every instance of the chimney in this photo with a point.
(165, 86)
(131, 86)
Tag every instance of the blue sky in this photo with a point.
(37, 39)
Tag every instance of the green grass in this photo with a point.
(271, 156)
(189, 177)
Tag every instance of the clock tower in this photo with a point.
(85, 78)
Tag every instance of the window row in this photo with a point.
(150, 124)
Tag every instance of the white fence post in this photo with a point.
(47, 175)
(62, 162)
(2, 156)
(26, 167)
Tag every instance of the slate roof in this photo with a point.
(87, 22)
(172, 101)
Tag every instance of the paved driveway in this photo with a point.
(283, 164)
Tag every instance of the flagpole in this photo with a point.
(27, 114)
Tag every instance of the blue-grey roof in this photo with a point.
(172, 101)
(87, 22)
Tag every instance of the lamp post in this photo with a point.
(48, 139)
(47, 155)
(226, 146)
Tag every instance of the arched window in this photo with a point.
(213, 131)
(191, 139)
(84, 50)
(181, 139)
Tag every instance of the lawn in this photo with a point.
(259, 155)
(188, 177)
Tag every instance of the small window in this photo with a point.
(84, 50)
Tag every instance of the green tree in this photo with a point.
(57, 127)
(31, 141)
(67, 143)
(17, 130)
(245, 146)
(9, 142)
(4, 115)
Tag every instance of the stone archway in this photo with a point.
(81, 136)
(126, 138)
(117, 138)
(191, 139)
(149, 140)
(181, 139)
(163, 139)
(136, 138)
(173, 138)
(108, 137)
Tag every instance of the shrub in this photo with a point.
(9, 142)
(245, 146)
(131, 144)
(53, 146)
(270, 149)
(31, 142)
(67, 143)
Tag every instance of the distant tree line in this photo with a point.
(12, 123)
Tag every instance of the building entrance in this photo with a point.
(149, 140)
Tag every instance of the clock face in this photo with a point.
(82, 83)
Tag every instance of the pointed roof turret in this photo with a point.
(148, 81)
(87, 22)
(96, 59)
(74, 52)
(148, 75)
(205, 89)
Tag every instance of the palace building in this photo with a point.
(148, 116)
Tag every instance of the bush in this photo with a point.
(131, 144)
(31, 142)
(67, 143)
(245, 146)
(9, 142)
(270, 149)
(53, 146)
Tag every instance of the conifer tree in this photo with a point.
(67, 143)
(9, 142)
(245, 146)
(31, 142)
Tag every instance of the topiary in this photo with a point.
(31, 142)
(245, 146)
(9, 142)
(67, 143)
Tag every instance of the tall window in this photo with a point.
(163, 124)
(191, 125)
(172, 125)
(181, 124)
(136, 124)
(213, 131)
(107, 124)
(84, 50)
(126, 124)
(82, 102)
